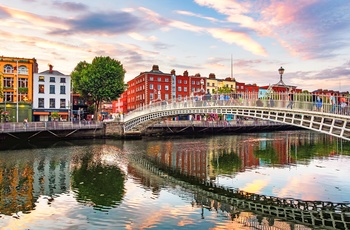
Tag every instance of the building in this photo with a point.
(153, 86)
(51, 93)
(16, 79)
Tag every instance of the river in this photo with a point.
(155, 183)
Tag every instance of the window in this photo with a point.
(62, 89)
(150, 86)
(8, 69)
(62, 103)
(192, 82)
(8, 96)
(23, 82)
(179, 81)
(63, 80)
(41, 89)
(151, 78)
(159, 87)
(159, 79)
(52, 79)
(52, 103)
(179, 88)
(8, 82)
(41, 78)
(185, 81)
(179, 97)
(166, 87)
(23, 70)
(185, 89)
(52, 89)
(166, 96)
(166, 79)
(151, 96)
(41, 102)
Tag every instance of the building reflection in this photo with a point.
(237, 153)
(24, 178)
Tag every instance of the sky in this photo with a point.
(246, 39)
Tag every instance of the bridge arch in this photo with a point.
(301, 116)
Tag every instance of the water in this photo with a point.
(105, 184)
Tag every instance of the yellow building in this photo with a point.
(214, 85)
(17, 86)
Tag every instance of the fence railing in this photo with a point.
(300, 101)
(9, 127)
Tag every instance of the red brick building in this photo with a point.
(152, 86)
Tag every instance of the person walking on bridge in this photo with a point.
(290, 99)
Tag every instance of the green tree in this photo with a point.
(102, 80)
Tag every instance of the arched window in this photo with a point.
(8, 68)
(23, 70)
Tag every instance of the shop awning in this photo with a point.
(40, 113)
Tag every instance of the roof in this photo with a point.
(53, 72)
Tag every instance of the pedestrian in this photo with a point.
(271, 102)
(318, 103)
(290, 99)
(25, 123)
(333, 103)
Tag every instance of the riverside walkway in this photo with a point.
(303, 113)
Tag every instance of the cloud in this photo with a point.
(239, 38)
(306, 29)
(187, 13)
(70, 6)
(104, 23)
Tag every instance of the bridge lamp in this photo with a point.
(281, 71)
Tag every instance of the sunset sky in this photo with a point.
(309, 38)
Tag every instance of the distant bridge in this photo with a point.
(302, 114)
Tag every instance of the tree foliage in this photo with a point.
(102, 80)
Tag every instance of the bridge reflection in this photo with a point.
(194, 170)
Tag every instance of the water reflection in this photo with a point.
(98, 184)
(95, 182)
(286, 164)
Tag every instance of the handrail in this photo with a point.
(9, 127)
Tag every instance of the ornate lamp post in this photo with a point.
(281, 71)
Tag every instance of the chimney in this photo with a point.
(186, 73)
(173, 72)
(155, 68)
(50, 70)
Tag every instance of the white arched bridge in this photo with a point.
(304, 112)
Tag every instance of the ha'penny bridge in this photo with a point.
(322, 214)
(324, 118)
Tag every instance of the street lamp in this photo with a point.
(281, 71)
(17, 91)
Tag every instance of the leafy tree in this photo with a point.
(102, 80)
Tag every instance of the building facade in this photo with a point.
(153, 86)
(16, 81)
(51, 93)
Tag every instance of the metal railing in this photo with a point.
(12, 127)
(301, 101)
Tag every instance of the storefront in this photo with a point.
(45, 114)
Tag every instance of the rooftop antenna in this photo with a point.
(231, 68)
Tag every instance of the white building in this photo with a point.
(51, 93)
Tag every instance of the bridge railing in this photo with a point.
(9, 127)
(301, 101)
